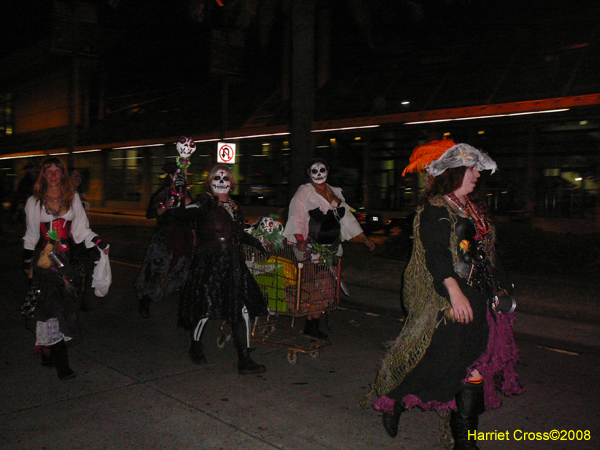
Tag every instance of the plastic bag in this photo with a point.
(102, 276)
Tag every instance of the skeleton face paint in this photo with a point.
(185, 147)
(318, 173)
(220, 184)
(267, 224)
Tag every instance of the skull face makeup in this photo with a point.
(318, 173)
(220, 184)
(185, 147)
(268, 224)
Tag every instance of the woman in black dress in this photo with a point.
(219, 284)
(455, 350)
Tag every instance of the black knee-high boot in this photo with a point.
(145, 302)
(60, 356)
(246, 366)
(464, 421)
(197, 352)
(196, 348)
(391, 421)
(46, 357)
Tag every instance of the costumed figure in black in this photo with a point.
(169, 255)
(320, 218)
(220, 285)
(456, 350)
(55, 221)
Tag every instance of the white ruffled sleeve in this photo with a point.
(80, 227)
(297, 222)
(33, 213)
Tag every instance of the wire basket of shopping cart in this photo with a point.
(295, 284)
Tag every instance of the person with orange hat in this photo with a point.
(171, 248)
(456, 349)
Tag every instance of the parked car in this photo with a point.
(402, 223)
(370, 222)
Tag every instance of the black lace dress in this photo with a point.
(219, 283)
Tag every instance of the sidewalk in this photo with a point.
(137, 389)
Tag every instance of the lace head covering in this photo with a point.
(437, 156)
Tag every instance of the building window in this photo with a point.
(6, 115)
(125, 175)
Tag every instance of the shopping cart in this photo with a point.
(295, 284)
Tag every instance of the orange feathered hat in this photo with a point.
(424, 154)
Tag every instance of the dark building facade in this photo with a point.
(528, 94)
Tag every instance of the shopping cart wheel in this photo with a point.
(315, 354)
(292, 357)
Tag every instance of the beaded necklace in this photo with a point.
(56, 214)
(482, 227)
(229, 206)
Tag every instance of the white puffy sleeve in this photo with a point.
(33, 213)
(80, 227)
(298, 217)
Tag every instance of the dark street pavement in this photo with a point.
(136, 388)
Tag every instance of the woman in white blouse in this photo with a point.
(56, 220)
(318, 213)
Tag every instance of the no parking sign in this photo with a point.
(225, 153)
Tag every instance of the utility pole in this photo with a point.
(303, 89)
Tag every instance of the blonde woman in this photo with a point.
(56, 220)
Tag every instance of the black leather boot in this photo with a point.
(391, 421)
(464, 421)
(197, 352)
(145, 306)
(45, 357)
(312, 329)
(60, 356)
(246, 366)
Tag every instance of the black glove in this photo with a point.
(27, 258)
(250, 240)
(262, 249)
(100, 243)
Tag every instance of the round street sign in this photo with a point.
(225, 153)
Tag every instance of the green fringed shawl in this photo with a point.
(424, 305)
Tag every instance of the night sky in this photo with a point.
(164, 44)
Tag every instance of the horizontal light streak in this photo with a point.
(22, 156)
(88, 151)
(488, 117)
(256, 136)
(138, 146)
(345, 128)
